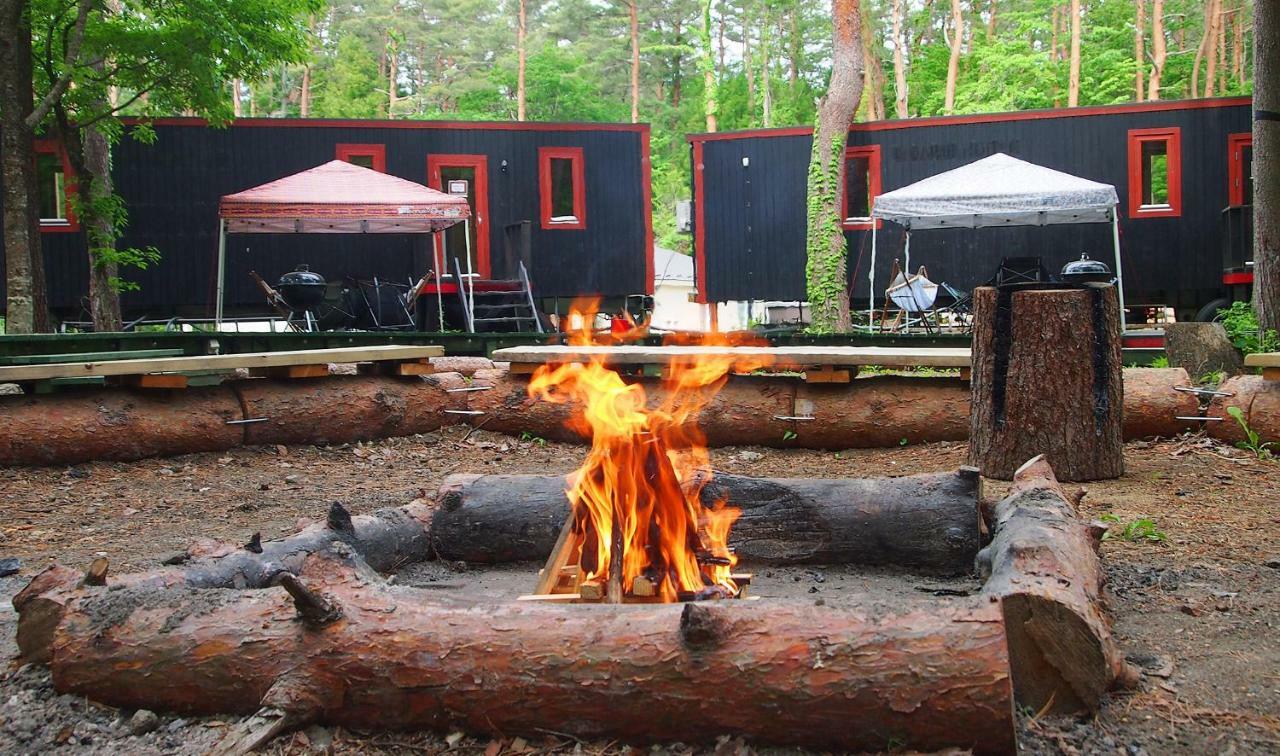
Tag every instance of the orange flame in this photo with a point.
(638, 493)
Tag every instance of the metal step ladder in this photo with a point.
(510, 309)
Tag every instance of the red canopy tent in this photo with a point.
(335, 198)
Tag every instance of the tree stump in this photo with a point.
(1047, 380)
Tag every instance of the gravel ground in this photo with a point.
(1197, 609)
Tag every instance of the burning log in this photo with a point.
(1047, 380)
(922, 676)
(1043, 565)
(924, 522)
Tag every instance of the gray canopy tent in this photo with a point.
(997, 191)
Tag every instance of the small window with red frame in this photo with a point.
(861, 185)
(1155, 173)
(1240, 169)
(372, 156)
(54, 187)
(562, 187)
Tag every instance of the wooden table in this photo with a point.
(1268, 361)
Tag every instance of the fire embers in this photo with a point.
(639, 530)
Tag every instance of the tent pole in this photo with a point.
(471, 282)
(1115, 235)
(906, 255)
(222, 272)
(437, 249)
(871, 290)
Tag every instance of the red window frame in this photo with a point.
(69, 186)
(573, 154)
(1236, 167)
(872, 153)
(376, 152)
(1172, 137)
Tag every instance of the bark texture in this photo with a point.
(899, 63)
(1159, 51)
(921, 522)
(826, 269)
(104, 297)
(1259, 402)
(1047, 380)
(881, 412)
(1152, 403)
(1266, 162)
(1043, 565)
(1073, 80)
(341, 409)
(953, 63)
(921, 676)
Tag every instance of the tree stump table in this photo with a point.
(1047, 379)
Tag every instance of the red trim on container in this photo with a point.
(1024, 115)
(872, 153)
(574, 155)
(480, 212)
(646, 188)
(1235, 166)
(348, 123)
(1143, 342)
(1172, 137)
(699, 227)
(377, 152)
(1243, 277)
(70, 186)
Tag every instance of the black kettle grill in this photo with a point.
(302, 289)
(1085, 270)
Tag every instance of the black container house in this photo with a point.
(1180, 168)
(570, 199)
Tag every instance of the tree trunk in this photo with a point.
(635, 61)
(22, 247)
(1047, 380)
(709, 89)
(1213, 20)
(1073, 83)
(104, 296)
(796, 44)
(748, 62)
(1158, 50)
(873, 75)
(393, 76)
(899, 64)
(236, 105)
(350, 651)
(922, 522)
(826, 270)
(1139, 54)
(1266, 162)
(766, 55)
(991, 21)
(1042, 563)
(677, 76)
(953, 63)
(520, 66)
(1201, 48)
(1258, 400)
(1237, 43)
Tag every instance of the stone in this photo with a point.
(1200, 349)
(143, 721)
(10, 566)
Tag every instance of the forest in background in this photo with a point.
(458, 59)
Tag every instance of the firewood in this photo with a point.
(920, 675)
(643, 587)
(591, 590)
(97, 572)
(923, 522)
(1042, 566)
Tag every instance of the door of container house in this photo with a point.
(473, 169)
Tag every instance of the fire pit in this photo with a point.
(307, 629)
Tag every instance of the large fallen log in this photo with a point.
(1258, 400)
(1043, 565)
(1153, 403)
(926, 522)
(385, 540)
(345, 649)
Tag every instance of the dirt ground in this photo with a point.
(1198, 609)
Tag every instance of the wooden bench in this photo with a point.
(1268, 361)
(174, 372)
(820, 364)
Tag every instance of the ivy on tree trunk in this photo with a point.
(826, 269)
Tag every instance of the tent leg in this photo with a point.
(437, 242)
(222, 272)
(871, 290)
(471, 282)
(1115, 235)
(906, 256)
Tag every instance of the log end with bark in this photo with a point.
(1043, 566)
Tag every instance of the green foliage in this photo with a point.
(1241, 323)
(1160, 362)
(530, 438)
(1141, 529)
(788, 435)
(350, 87)
(1253, 442)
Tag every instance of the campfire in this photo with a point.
(639, 530)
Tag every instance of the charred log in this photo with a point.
(924, 522)
(921, 676)
(1043, 565)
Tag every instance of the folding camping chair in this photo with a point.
(912, 295)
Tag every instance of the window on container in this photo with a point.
(52, 184)
(1155, 173)
(861, 185)
(1240, 169)
(372, 156)
(562, 187)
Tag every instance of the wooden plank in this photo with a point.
(294, 371)
(828, 374)
(217, 362)
(1257, 359)
(151, 381)
(807, 355)
(1271, 373)
(45, 359)
(524, 368)
(411, 368)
